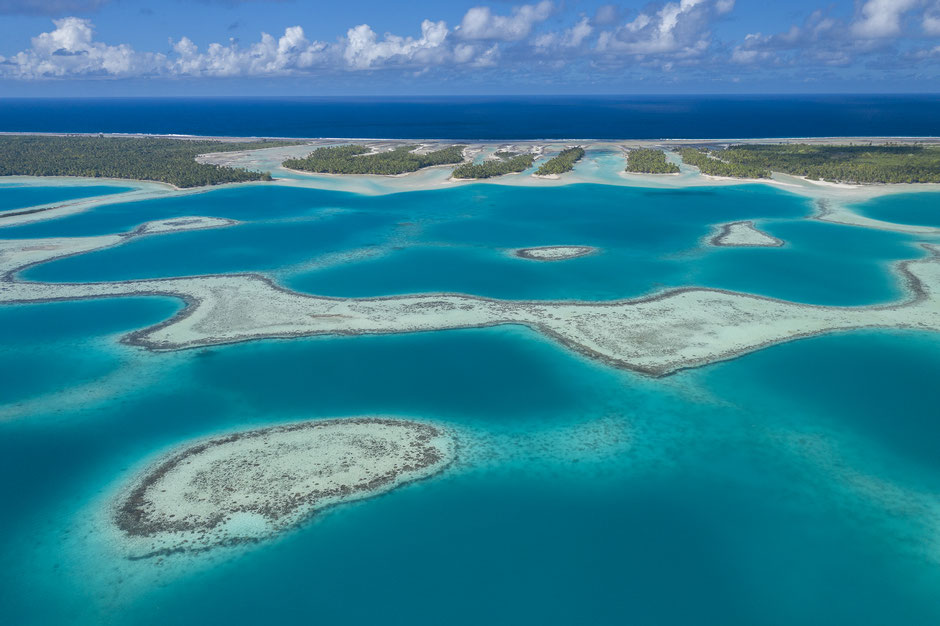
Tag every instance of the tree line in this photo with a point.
(848, 163)
(713, 165)
(650, 161)
(494, 167)
(356, 159)
(563, 162)
(139, 158)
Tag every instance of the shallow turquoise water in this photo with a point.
(795, 485)
(250, 203)
(459, 240)
(921, 209)
(15, 196)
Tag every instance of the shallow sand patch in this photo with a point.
(247, 486)
(742, 234)
(553, 253)
(177, 224)
(17, 254)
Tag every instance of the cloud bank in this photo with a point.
(536, 37)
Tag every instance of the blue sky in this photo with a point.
(302, 47)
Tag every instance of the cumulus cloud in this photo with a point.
(819, 36)
(482, 23)
(363, 49)
(677, 28)
(49, 7)
(268, 57)
(881, 18)
(673, 36)
(875, 38)
(569, 38)
(70, 50)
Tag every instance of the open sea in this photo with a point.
(546, 117)
(799, 484)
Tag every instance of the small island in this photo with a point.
(160, 159)
(563, 162)
(357, 159)
(503, 163)
(553, 253)
(742, 234)
(247, 486)
(649, 161)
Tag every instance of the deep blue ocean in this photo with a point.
(797, 484)
(600, 117)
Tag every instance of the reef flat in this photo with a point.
(657, 335)
(742, 234)
(247, 486)
(553, 253)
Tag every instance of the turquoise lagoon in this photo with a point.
(797, 484)
(15, 196)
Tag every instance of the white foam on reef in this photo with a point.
(742, 235)
(246, 486)
(553, 253)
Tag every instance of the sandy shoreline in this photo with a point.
(656, 335)
(832, 200)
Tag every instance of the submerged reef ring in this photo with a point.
(742, 235)
(244, 487)
(553, 253)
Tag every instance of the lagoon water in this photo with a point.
(797, 484)
(14, 196)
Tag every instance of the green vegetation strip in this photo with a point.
(353, 159)
(489, 169)
(562, 163)
(650, 161)
(138, 158)
(852, 164)
(711, 165)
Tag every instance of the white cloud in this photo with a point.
(569, 38)
(881, 18)
(724, 6)
(70, 50)
(481, 23)
(677, 28)
(578, 33)
(363, 50)
(268, 57)
(932, 20)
